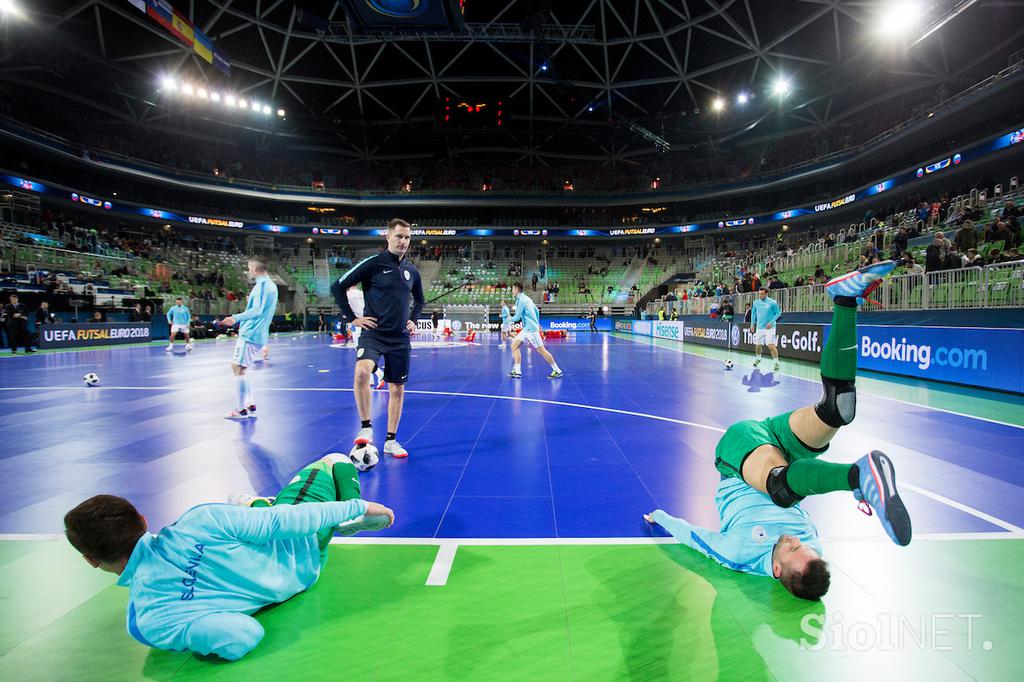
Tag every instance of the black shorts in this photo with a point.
(394, 349)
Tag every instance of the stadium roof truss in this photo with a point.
(593, 80)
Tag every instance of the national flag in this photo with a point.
(182, 28)
(203, 46)
(161, 11)
(222, 62)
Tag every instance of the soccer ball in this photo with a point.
(728, 364)
(364, 457)
(91, 379)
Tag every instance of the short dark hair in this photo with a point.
(811, 584)
(263, 263)
(397, 222)
(179, 298)
(104, 528)
(518, 285)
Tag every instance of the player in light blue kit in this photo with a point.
(506, 326)
(253, 330)
(764, 315)
(529, 316)
(768, 466)
(179, 317)
(195, 585)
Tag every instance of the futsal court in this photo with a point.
(519, 549)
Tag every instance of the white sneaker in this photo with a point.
(395, 449)
(376, 378)
(776, 367)
(188, 347)
(757, 362)
(170, 347)
(364, 436)
(501, 345)
(361, 523)
(237, 415)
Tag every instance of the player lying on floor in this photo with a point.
(194, 585)
(768, 466)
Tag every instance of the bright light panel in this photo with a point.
(718, 104)
(781, 87)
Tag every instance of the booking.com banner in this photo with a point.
(988, 358)
(575, 324)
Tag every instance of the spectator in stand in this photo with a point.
(17, 325)
(776, 283)
(899, 241)
(98, 317)
(819, 272)
(43, 316)
(1013, 255)
(137, 312)
(912, 266)
(147, 314)
(966, 239)
(972, 259)
(997, 232)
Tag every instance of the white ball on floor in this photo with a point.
(728, 364)
(91, 379)
(364, 457)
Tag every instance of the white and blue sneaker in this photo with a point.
(859, 283)
(878, 489)
(246, 500)
(361, 523)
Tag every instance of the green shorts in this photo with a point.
(322, 482)
(742, 438)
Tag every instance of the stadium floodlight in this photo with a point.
(215, 96)
(242, 104)
(10, 8)
(898, 16)
(742, 98)
(167, 83)
(202, 92)
(229, 100)
(255, 105)
(781, 86)
(544, 66)
(280, 112)
(187, 89)
(718, 104)
(266, 109)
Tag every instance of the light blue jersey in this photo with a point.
(751, 525)
(764, 312)
(179, 314)
(504, 313)
(193, 585)
(527, 313)
(254, 322)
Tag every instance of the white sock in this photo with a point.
(243, 391)
(556, 367)
(517, 369)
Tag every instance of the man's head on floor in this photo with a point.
(799, 568)
(105, 529)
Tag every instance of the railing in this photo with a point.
(993, 286)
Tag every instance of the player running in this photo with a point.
(763, 317)
(390, 282)
(529, 316)
(194, 585)
(506, 326)
(253, 330)
(179, 317)
(769, 466)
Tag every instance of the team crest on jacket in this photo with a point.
(407, 275)
(759, 535)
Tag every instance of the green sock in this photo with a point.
(346, 481)
(813, 477)
(839, 357)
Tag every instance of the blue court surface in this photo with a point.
(630, 428)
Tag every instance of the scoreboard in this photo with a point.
(480, 113)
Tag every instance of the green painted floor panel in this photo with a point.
(570, 612)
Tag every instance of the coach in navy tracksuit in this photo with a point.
(388, 281)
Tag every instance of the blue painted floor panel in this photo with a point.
(490, 456)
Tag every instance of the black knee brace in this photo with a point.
(838, 404)
(779, 490)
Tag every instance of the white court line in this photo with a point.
(815, 381)
(935, 496)
(964, 508)
(546, 542)
(442, 564)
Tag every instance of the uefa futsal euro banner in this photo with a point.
(92, 334)
(987, 358)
